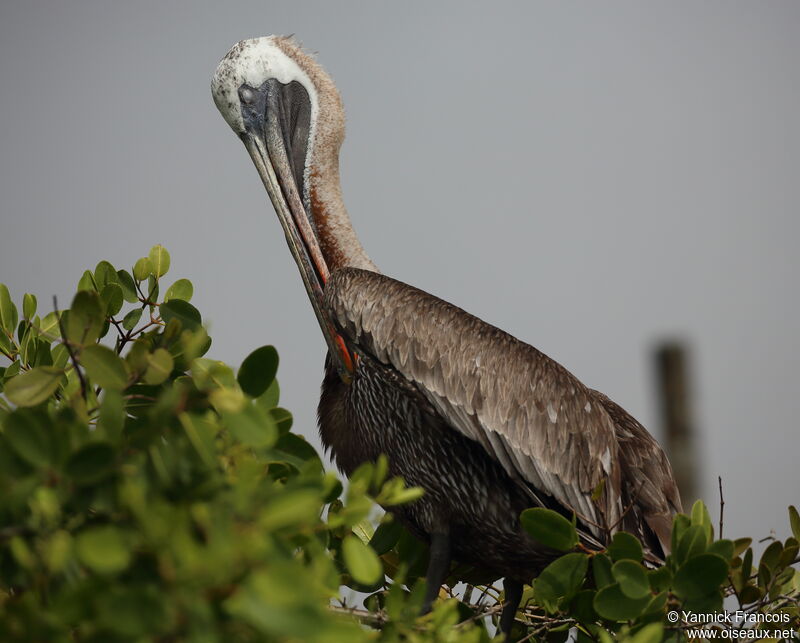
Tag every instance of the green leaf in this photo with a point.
(103, 549)
(380, 471)
(750, 594)
(29, 438)
(625, 546)
(28, 305)
(789, 553)
(85, 319)
(112, 298)
(632, 578)
(60, 356)
(133, 613)
(152, 288)
(652, 633)
(794, 521)
(57, 550)
(44, 356)
(91, 463)
(131, 319)
(282, 418)
(692, 542)
(159, 259)
(128, 286)
(700, 576)
(700, 516)
(252, 426)
(33, 387)
(12, 371)
(104, 274)
(142, 269)
(398, 493)
(601, 570)
(740, 545)
(680, 523)
(86, 282)
(660, 578)
(269, 399)
(657, 603)
(48, 326)
(549, 528)
(112, 414)
(561, 578)
(747, 564)
(612, 604)
(27, 348)
(5, 343)
(363, 564)
(8, 320)
(332, 487)
(299, 506)
(159, 366)
(183, 311)
(209, 373)
(772, 555)
(258, 370)
(201, 434)
(194, 344)
(764, 576)
(181, 289)
(227, 400)
(723, 547)
(386, 536)
(582, 606)
(364, 530)
(104, 367)
(294, 449)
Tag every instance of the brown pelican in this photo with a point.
(484, 422)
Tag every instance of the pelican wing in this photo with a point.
(653, 493)
(529, 413)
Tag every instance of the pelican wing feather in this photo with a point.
(652, 491)
(534, 417)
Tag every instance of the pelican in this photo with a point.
(486, 424)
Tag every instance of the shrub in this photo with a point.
(149, 493)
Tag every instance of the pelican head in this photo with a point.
(269, 86)
(289, 115)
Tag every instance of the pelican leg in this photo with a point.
(438, 567)
(513, 597)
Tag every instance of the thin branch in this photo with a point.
(375, 619)
(721, 506)
(480, 612)
(7, 533)
(69, 348)
(11, 337)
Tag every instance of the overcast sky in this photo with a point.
(591, 177)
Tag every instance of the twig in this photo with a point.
(480, 612)
(721, 505)
(7, 533)
(545, 627)
(377, 619)
(69, 348)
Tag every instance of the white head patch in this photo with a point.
(255, 61)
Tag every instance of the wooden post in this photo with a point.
(673, 382)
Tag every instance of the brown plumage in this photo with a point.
(485, 423)
(552, 436)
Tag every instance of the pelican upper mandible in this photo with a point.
(485, 423)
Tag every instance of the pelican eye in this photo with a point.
(247, 95)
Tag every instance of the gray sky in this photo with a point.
(591, 177)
